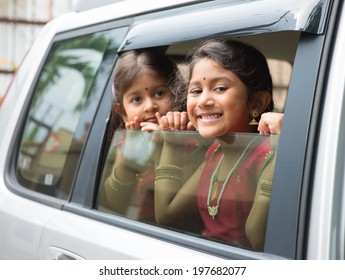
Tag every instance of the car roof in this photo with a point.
(155, 16)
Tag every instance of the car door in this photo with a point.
(84, 230)
(60, 148)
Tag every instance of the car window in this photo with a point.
(62, 109)
(138, 199)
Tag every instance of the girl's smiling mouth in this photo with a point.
(210, 116)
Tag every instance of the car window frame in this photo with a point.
(328, 123)
(309, 73)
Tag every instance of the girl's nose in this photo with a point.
(150, 105)
(205, 99)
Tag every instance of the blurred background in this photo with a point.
(22, 20)
(20, 23)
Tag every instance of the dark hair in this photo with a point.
(131, 66)
(248, 63)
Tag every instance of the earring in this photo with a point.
(253, 121)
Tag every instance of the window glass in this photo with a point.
(223, 199)
(61, 112)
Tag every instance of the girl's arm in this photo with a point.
(257, 219)
(134, 159)
(119, 186)
(175, 191)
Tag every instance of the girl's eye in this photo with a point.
(220, 88)
(195, 91)
(136, 99)
(160, 93)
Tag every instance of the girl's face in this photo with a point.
(217, 101)
(147, 95)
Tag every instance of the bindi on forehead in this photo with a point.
(204, 78)
(146, 89)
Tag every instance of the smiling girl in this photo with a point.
(230, 87)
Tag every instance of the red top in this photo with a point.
(235, 205)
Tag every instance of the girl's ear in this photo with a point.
(119, 110)
(259, 101)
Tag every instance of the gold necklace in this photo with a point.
(213, 210)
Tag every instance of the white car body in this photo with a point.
(60, 229)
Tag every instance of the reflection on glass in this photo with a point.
(218, 192)
(57, 126)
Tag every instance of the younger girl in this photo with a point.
(146, 81)
(142, 87)
(230, 87)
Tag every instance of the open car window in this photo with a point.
(208, 202)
